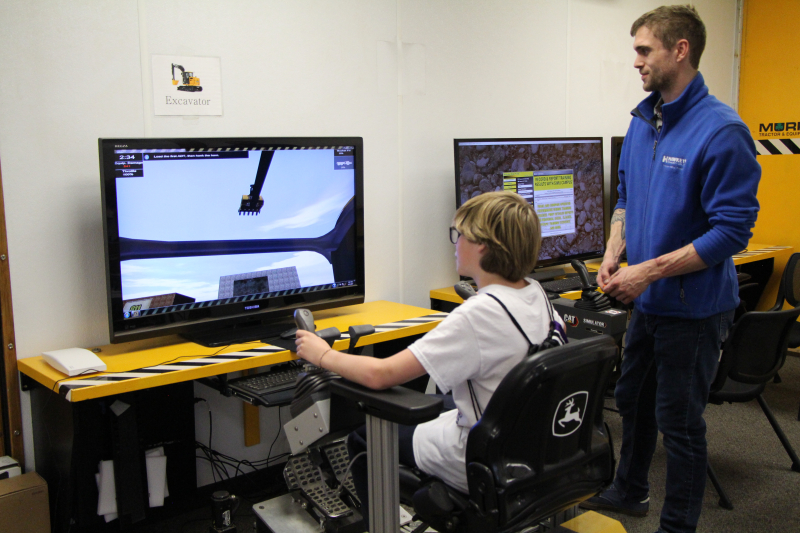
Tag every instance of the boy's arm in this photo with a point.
(368, 371)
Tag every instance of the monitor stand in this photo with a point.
(240, 333)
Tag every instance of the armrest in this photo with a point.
(398, 404)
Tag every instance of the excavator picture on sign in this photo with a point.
(189, 82)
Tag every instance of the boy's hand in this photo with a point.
(310, 347)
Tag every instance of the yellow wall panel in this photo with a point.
(769, 103)
(770, 64)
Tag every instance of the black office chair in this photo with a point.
(749, 294)
(540, 448)
(751, 356)
(789, 291)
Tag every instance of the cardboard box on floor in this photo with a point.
(24, 506)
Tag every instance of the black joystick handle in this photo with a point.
(580, 268)
(304, 319)
(356, 332)
(329, 335)
(464, 290)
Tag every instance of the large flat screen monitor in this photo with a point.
(561, 177)
(222, 239)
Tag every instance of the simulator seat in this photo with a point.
(540, 448)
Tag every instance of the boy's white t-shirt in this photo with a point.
(477, 342)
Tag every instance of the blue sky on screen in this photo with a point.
(199, 200)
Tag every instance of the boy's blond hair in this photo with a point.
(509, 227)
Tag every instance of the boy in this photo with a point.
(497, 238)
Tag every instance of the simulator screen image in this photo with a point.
(563, 180)
(204, 227)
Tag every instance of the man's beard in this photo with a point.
(658, 81)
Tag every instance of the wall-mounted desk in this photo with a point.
(143, 365)
(758, 260)
(74, 428)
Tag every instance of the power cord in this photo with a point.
(346, 472)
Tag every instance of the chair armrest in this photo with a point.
(398, 404)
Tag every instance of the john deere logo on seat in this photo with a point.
(569, 414)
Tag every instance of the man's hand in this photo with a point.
(627, 283)
(607, 269)
(310, 347)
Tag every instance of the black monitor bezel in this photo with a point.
(230, 316)
(511, 140)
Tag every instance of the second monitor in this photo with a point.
(561, 177)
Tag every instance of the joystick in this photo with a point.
(329, 335)
(583, 273)
(591, 300)
(465, 290)
(356, 332)
(304, 320)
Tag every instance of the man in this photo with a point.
(687, 201)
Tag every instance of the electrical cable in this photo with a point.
(220, 462)
(278, 434)
(344, 477)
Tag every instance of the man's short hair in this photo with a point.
(670, 24)
(509, 227)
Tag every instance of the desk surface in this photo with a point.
(144, 364)
(754, 252)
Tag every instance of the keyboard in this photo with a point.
(567, 284)
(273, 387)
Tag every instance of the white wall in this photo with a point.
(516, 68)
(407, 75)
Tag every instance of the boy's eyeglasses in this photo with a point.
(454, 234)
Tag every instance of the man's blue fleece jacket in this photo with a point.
(695, 181)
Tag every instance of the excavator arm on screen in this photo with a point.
(252, 203)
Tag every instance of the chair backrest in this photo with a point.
(791, 280)
(749, 294)
(756, 347)
(541, 445)
(789, 288)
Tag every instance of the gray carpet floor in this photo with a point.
(749, 460)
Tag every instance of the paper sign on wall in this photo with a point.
(185, 85)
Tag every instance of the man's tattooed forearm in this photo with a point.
(619, 216)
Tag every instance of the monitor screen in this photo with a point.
(224, 238)
(561, 177)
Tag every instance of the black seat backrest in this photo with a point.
(541, 445)
(756, 347)
(791, 280)
(749, 294)
(789, 288)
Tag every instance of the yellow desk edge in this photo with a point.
(128, 357)
(754, 252)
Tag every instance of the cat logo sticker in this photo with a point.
(569, 414)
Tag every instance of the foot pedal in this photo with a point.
(301, 474)
(339, 460)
